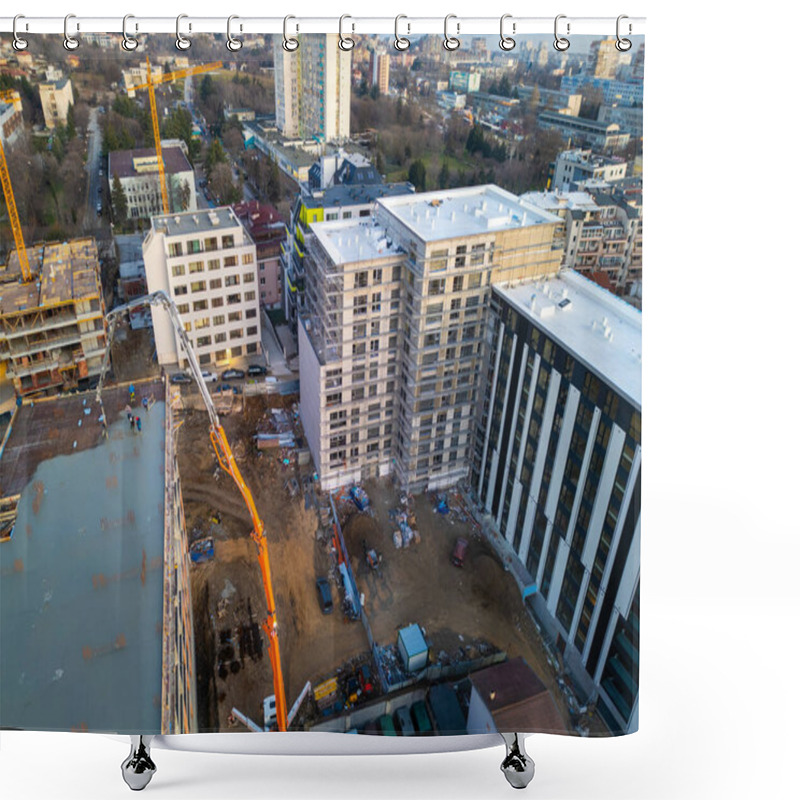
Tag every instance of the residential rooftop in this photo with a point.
(468, 211)
(589, 158)
(345, 195)
(143, 161)
(63, 272)
(597, 327)
(81, 595)
(560, 201)
(348, 241)
(200, 221)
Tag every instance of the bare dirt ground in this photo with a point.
(132, 354)
(456, 606)
(310, 642)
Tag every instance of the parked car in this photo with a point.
(421, 718)
(386, 726)
(402, 721)
(256, 369)
(209, 377)
(99, 209)
(179, 377)
(232, 374)
(459, 552)
(324, 595)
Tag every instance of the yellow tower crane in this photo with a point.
(12, 96)
(150, 86)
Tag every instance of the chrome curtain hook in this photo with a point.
(506, 42)
(70, 42)
(129, 43)
(19, 43)
(451, 42)
(233, 44)
(346, 42)
(290, 43)
(400, 42)
(561, 43)
(623, 45)
(181, 42)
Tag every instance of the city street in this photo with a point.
(93, 163)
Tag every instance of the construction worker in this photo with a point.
(144, 403)
(139, 424)
(132, 390)
(132, 420)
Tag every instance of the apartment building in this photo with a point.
(56, 98)
(11, 124)
(205, 261)
(52, 327)
(394, 324)
(340, 186)
(137, 171)
(312, 88)
(574, 166)
(267, 230)
(379, 71)
(465, 82)
(557, 466)
(604, 58)
(587, 132)
(137, 76)
(602, 235)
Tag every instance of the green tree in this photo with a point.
(443, 180)
(416, 175)
(184, 196)
(119, 203)
(71, 123)
(215, 155)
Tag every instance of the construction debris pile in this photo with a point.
(453, 505)
(275, 431)
(406, 520)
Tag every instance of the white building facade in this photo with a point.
(56, 98)
(206, 262)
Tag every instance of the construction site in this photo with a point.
(387, 558)
(52, 326)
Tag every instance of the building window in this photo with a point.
(175, 249)
(215, 284)
(249, 296)
(200, 305)
(252, 330)
(183, 308)
(195, 266)
(234, 298)
(194, 246)
(231, 261)
(247, 258)
(250, 313)
(360, 304)
(436, 286)
(216, 302)
(360, 279)
(213, 264)
(249, 277)
(231, 280)
(198, 286)
(201, 323)
(227, 242)
(235, 316)
(210, 244)
(178, 270)
(219, 319)
(179, 290)
(203, 341)
(236, 333)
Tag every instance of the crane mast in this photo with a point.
(12, 96)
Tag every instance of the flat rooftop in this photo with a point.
(81, 594)
(64, 272)
(597, 327)
(351, 240)
(468, 211)
(559, 201)
(345, 195)
(121, 163)
(200, 221)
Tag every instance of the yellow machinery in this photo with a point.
(12, 96)
(228, 463)
(150, 86)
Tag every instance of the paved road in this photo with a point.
(90, 221)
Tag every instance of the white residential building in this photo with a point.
(206, 262)
(56, 97)
(11, 124)
(137, 171)
(393, 328)
(572, 166)
(312, 88)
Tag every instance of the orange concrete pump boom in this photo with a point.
(228, 463)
